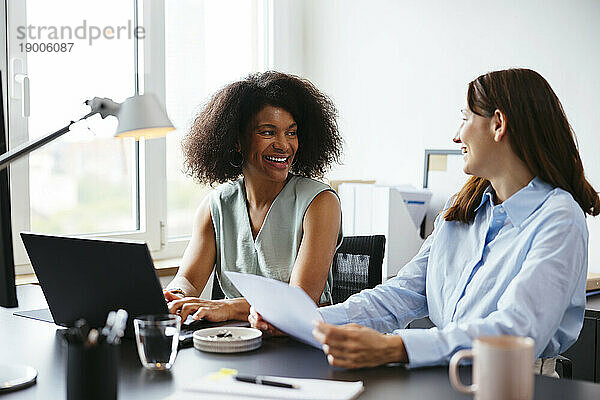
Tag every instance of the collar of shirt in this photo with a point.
(522, 204)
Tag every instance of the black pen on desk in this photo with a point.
(260, 381)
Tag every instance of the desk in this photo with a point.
(36, 343)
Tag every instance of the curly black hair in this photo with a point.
(224, 122)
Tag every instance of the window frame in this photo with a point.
(148, 207)
(150, 76)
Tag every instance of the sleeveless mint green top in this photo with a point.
(273, 253)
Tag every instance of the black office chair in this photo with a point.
(357, 265)
(564, 367)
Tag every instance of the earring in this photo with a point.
(232, 155)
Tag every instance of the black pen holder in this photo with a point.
(92, 371)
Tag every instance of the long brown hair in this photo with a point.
(538, 133)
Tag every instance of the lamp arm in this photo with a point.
(28, 147)
(8, 293)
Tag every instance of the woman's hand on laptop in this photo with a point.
(257, 322)
(210, 310)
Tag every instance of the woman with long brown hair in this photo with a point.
(508, 255)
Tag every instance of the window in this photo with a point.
(86, 182)
(218, 41)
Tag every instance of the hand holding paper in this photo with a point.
(288, 308)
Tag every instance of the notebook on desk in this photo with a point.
(87, 278)
(217, 386)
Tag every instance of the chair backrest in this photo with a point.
(357, 265)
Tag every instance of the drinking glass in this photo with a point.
(157, 338)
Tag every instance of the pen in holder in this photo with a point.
(92, 358)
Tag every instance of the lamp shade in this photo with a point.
(142, 116)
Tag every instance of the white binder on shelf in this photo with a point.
(393, 211)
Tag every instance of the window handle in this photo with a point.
(23, 80)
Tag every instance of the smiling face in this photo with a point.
(476, 134)
(272, 143)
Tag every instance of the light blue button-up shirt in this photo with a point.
(519, 269)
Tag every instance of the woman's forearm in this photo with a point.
(182, 285)
(239, 309)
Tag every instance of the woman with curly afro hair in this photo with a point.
(265, 139)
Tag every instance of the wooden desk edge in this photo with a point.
(165, 267)
(593, 281)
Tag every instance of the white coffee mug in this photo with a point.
(502, 368)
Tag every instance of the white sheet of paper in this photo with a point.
(230, 389)
(286, 307)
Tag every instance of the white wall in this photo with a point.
(398, 71)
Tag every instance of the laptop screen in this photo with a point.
(87, 278)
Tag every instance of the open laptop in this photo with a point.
(87, 278)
